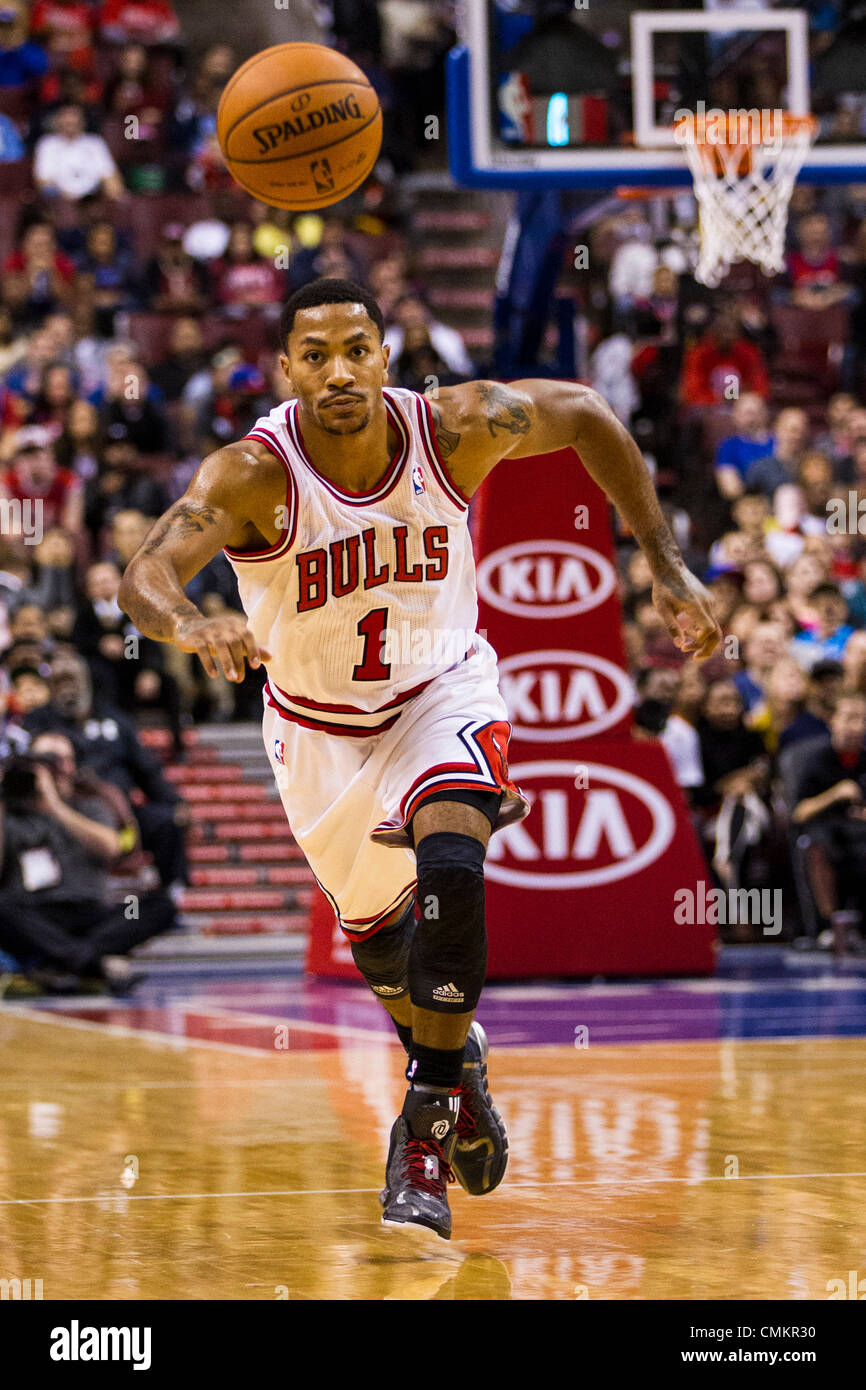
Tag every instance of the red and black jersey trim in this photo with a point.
(362, 927)
(385, 485)
(428, 439)
(263, 435)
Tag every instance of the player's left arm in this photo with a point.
(481, 422)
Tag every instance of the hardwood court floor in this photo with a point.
(136, 1165)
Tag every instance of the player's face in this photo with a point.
(336, 365)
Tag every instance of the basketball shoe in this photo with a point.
(418, 1172)
(479, 1154)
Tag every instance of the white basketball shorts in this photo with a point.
(348, 798)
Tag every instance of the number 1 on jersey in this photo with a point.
(371, 628)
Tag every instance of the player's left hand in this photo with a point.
(686, 608)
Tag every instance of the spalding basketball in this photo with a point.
(299, 126)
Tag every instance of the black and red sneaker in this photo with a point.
(480, 1154)
(417, 1175)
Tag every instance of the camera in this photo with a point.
(19, 776)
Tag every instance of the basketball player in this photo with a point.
(344, 515)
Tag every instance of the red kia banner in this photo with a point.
(586, 884)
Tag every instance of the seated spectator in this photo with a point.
(127, 669)
(131, 407)
(30, 689)
(59, 832)
(750, 441)
(764, 647)
(783, 702)
(57, 390)
(736, 770)
(132, 90)
(71, 163)
(128, 530)
(53, 585)
(823, 687)
(185, 358)
(332, 256)
(123, 484)
(79, 444)
(834, 441)
(388, 282)
(815, 477)
(421, 368)
(827, 640)
(680, 735)
(68, 87)
(34, 476)
(410, 312)
(814, 269)
(791, 526)
(138, 21)
(22, 62)
(108, 267)
(173, 282)
(723, 365)
(105, 741)
(762, 584)
(37, 279)
(791, 443)
(65, 28)
(828, 805)
(235, 410)
(243, 279)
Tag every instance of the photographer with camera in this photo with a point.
(59, 832)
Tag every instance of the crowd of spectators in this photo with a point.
(749, 404)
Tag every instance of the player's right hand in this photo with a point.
(223, 644)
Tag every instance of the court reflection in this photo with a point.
(139, 1168)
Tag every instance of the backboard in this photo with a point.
(585, 95)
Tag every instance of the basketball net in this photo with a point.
(744, 173)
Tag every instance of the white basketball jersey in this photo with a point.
(366, 596)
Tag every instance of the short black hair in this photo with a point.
(825, 588)
(328, 291)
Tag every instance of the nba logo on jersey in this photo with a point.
(280, 751)
(418, 480)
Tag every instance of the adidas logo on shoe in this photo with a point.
(449, 994)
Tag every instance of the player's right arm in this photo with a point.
(216, 510)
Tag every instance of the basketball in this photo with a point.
(299, 126)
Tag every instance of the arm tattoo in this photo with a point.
(502, 409)
(446, 440)
(185, 519)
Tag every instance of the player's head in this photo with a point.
(333, 356)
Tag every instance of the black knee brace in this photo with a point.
(383, 958)
(448, 958)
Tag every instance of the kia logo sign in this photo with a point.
(545, 579)
(554, 695)
(576, 838)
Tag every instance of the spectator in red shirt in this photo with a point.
(138, 21)
(37, 278)
(723, 365)
(814, 269)
(34, 475)
(242, 277)
(65, 28)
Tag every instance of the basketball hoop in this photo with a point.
(744, 167)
